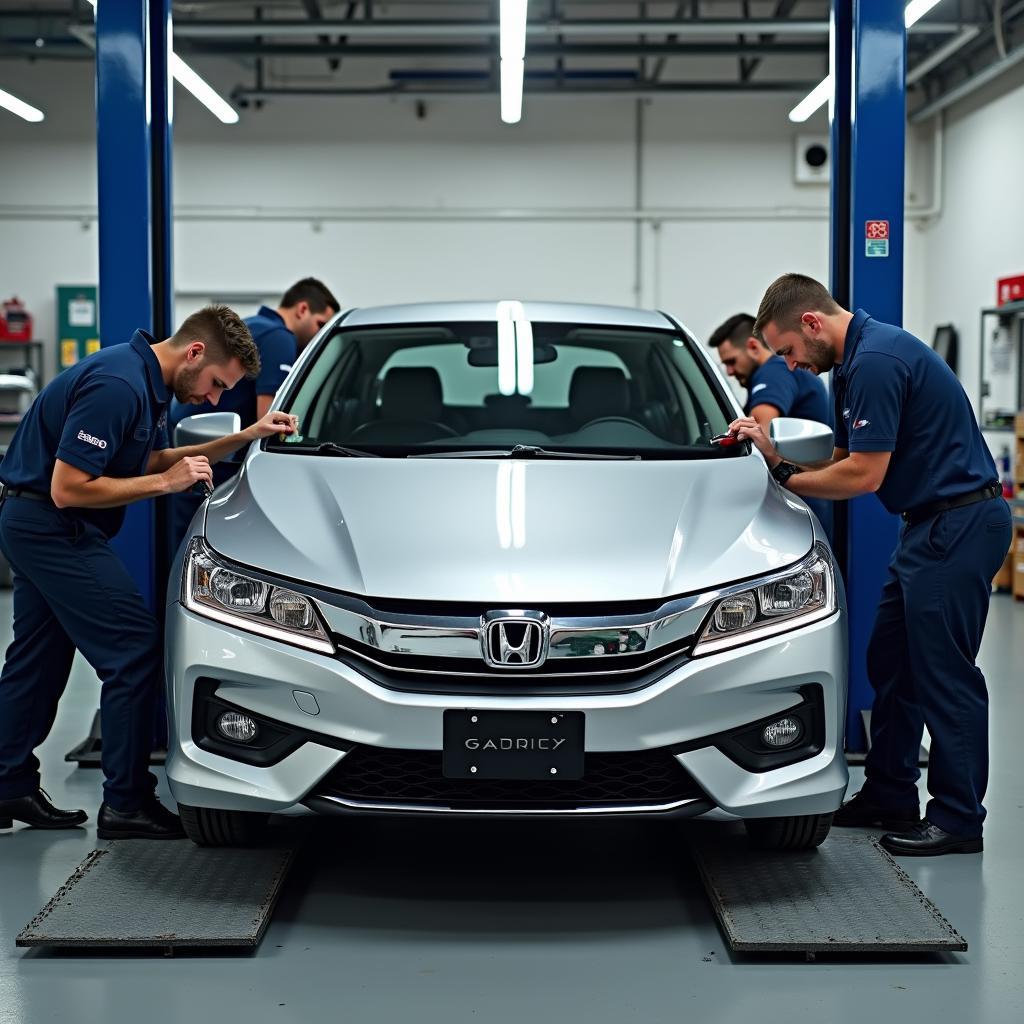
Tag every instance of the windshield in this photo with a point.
(460, 387)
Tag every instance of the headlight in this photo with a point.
(796, 598)
(214, 588)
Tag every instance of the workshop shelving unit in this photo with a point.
(15, 357)
(1010, 317)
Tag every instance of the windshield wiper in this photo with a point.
(326, 448)
(520, 451)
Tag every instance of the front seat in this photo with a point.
(596, 392)
(411, 406)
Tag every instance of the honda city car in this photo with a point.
(506, 567)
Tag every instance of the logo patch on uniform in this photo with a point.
(89, 439)
(757, 387)
(846, 414)
(861, 423)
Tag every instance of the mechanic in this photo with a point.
(905, 430)
(772, 390)
(280, 335)
(91, 443)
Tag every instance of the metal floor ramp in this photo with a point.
(166, 895)
(848, 896)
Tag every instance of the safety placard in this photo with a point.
(876, 238)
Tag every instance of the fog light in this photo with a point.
(237, 727)
(783, 733)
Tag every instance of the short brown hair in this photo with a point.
(225, 336)
(735, 330)
(312, 291)
(788, 298)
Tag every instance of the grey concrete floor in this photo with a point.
(600, 922)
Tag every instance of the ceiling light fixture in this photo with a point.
(822, 92)
(202, 90)
(512, 49)
(20, 107)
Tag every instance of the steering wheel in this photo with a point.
(398, 427)
(613, 419)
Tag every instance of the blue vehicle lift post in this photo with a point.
(133, 141)
(868, 126)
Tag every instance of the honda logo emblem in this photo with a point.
(514, 639)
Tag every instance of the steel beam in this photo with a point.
(341, 48)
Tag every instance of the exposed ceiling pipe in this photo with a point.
(972, 84)
(645, 90)
(450, 29)
(942, 54)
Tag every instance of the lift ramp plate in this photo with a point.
(170, 895)
(848, 896)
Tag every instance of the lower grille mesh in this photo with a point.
(632, 778)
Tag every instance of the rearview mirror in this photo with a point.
(487, 355)
(205, 427)
(801, 441)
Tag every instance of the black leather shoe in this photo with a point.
(928, 840)
(860, 812)
(151, 821)
(36, 811)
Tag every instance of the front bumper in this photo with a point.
(701, 698)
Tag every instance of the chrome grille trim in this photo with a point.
(700, 804)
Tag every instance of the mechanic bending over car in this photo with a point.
(905, 430)
(92, 442)
(280, 335)
(772, 390)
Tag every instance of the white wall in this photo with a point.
(381, 204)
(386, 207)
(980, 234)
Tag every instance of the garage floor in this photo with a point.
(599, 922)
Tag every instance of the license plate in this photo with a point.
(513, 745)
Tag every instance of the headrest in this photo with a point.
(411, 393)
(598, 391)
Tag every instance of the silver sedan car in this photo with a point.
(506, 567)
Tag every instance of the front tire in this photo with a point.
(803, 832)
(207, 826)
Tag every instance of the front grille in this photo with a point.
(621, 673)
(378, 775)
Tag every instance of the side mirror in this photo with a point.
(206, 426)
(801, 441)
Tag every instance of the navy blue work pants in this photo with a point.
(72, 591)
(921, 664)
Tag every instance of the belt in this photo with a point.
(920, 513)
(20, 492)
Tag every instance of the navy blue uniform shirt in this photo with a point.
(104, 415)
(278, 349)
(894, 394)
(794, 393)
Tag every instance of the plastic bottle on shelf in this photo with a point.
(1005, 475)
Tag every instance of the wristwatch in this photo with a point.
(783, 471)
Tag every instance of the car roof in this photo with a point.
(539, 312)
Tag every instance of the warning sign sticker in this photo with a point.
(876, 238)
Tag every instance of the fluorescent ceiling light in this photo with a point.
(822, 92)
(20, 107)
(213, 101)
(512, 48)
(916, 10)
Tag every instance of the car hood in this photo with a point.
(498, 530)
